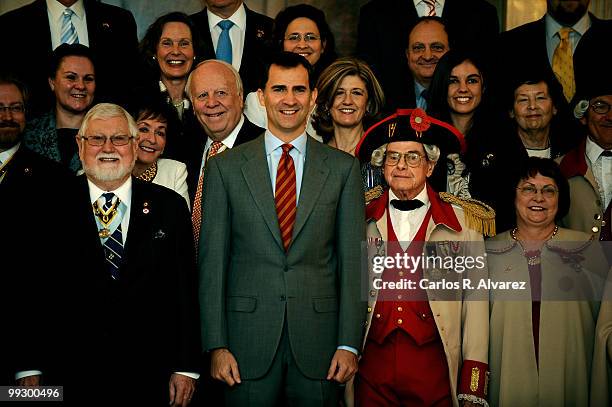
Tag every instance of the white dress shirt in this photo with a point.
(602, 170)
(55, 11)
(423, 9)
(552, 33)
(227, 142)
(406, 224)
(236, 32)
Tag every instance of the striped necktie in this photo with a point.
(224, 46)
(563, 63)
(285, 199)
(69, 34)
(431, 4)
(111, 215)
(196, 214)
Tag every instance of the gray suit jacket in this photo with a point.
(248, 284)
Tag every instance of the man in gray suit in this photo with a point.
(280, 256)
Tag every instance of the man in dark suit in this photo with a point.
(250, 34)
(216, 93)
(537, 42)
(108, 30)
(123, 299)
(24, 177)
(384, 26)
(280, 265)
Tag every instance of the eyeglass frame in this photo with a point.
(551, 193)
(404, 156)
(308, 37)
(600, 103)
(11, 108)
(112, 139)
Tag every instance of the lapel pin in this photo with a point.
(260, 33)
(145, 208)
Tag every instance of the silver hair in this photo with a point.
(378, 155)
(581, 108)
(233, 70)
(108, 111)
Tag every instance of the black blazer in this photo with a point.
(29, 180)
(247, 132)
(133, 331)
(257, 46)
(382, 39)
(112, 38)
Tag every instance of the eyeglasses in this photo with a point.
(548, 191)
(298, 37)
(411, 158)
(98, 141)
(600, 107)
(15, 109)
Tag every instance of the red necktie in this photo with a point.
(196, 214)
(286, 195)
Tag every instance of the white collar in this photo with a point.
(124, 192)
(7, 154)
(593, 150)
(56, 9)
(272, 142)
(238, 18)
(230, 140)
(422, 196)
(553, 27)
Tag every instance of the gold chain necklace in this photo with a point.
(532, 256)
(149, 174)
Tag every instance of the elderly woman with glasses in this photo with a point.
(545, 303)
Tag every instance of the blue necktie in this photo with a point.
(69, 34)
(224, 46)
(113, 247)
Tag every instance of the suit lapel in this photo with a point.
(316, 172)
(85, 217)
(209, 49)
(43, 39)
(138, 222)
(257, 177)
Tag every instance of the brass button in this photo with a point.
(423, 316)
(377, 315)
(595, 229)
(597, 216)
(369, 309)
(399, 297)
(399, 321)
(603, 223)
(401, 273)
(400, 309)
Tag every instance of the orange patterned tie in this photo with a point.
(196, 214)
(563, 63)
(286, 195)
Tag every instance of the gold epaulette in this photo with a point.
(478, 215)
(372, 194)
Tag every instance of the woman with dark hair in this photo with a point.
(72, 79)
(532, 107)
(301, 29)
(157, 128)
(349, 95)
(169, 50)
(459, 95)
(542, 331)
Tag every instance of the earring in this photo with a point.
(153, 57)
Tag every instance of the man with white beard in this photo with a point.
(123, 281)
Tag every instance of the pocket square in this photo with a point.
(160, 234)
